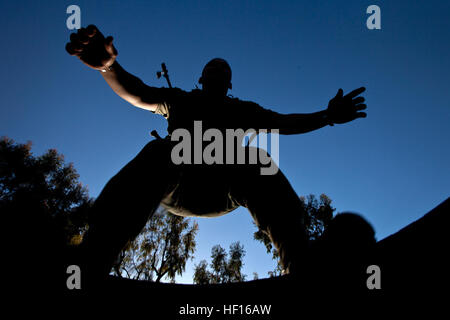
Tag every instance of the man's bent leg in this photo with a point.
(125, 204)
(276, 209)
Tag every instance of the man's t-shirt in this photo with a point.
(182, 108)
(204, 190)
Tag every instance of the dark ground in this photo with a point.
(413, 263)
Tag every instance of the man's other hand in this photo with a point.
(93, 49)
(342, 109)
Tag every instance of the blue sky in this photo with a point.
(290, 56)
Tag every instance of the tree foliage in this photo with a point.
(161, 250)
(45, 208)
(42, 192)
(224, 268)
(318, 214)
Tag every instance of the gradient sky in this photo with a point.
(290, 56)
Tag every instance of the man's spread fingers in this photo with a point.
(71, 50)
(358, 100)
(361, 114)
(83, 36)
(91, 30)
(360, 107)
(356, 92)
(77, 46)
(339, 93)
(81, 31)
(109, 40)
(75, 39)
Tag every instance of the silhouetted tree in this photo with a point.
(318, 214)
(162, 249)
(201, 273)
(43, 206)
(46, 207)
(225, 267)
(42, 190)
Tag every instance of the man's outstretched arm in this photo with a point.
(128, 87)
(341, 109)
(99, 53)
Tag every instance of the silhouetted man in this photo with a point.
(130, 198)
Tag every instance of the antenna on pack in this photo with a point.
(165, 73)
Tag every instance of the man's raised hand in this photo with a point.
(342, 109)
(92, 48)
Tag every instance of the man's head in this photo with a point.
(349, 232)
(216, 77)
